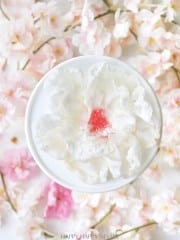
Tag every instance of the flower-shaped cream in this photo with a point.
(100, 122)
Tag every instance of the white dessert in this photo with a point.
(99, 121)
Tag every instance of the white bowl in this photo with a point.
(56, 170)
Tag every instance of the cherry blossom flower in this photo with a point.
(21, 34)
(122, 25)
(153, 172)
(62, 49)
(32, 200)
(6, 113)
(93, 37)
(39, 10)
(166, 210)
(18, 164)
(84, 199)
(171, 7)
(95, 40)
(16, 87)
(30, 227)
(59, 202)
(152, 34)
(153, 65)
(132, 5)
(171, 131)
(50, 17)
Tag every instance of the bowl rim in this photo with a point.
(30, 142)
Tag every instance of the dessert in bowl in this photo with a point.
(93, 124)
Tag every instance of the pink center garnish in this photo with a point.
(98, 120)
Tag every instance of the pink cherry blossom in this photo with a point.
(21, 34)
(93, 37)
(49, 17)
(153, 172)
(62, 49)
(18, 164)
(59, 202)
(171, 7)
(154, 65)
(151, 32)
(94, 40)
(16, 91)
(6, 112)
(171, 131)
(166, 210)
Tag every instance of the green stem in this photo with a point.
(68, 27)
(136, 229)
(25, 65)
(176, 23)
(52, 235)
(133, 33)
(48, 234)
(3, 12)
(109, 11)
(104, 217)
(173, 21)
(107, 3)
(6, 192)
(176, 71)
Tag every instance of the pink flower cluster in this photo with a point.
(59, 202)
(18, 164)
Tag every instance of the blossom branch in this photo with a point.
(42, 45)
(37, 49)
(176, 71)
(104, 217)
(6, 192)
(109, 11)
(107, 3)
(163, 16)
(70, 27)
(136, 229)
(133, 33)
(3, 12)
